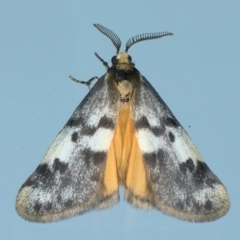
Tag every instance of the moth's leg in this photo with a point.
(88, 83)
(105, 64)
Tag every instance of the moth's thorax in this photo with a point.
(123, 75)
(125, 89)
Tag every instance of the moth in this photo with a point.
(122, 133)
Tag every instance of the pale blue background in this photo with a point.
(196, 72)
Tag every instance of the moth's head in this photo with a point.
(122, 61)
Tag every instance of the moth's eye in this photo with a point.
(129, 58)
(114, 60)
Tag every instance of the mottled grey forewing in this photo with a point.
(181, 183)
(68, 180)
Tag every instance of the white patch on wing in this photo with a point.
(213, 194)
(148, 142)
(100, 141)
(61, 148)
(67, 193)
(153, 121)
(203, 195)
(95, 118)
(184, 147)
(149, 113)
(43, 198)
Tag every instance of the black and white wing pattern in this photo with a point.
(122, 133)
(179, 181)
(69, 180)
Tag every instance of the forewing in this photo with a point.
(180, 182)
(69, 180)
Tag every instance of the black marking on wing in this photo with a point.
(203, 175)
(143, 123)
(92, 157)
(105, 122)
(48, 206)
(76, 184)
(171, 137)
(69, 203)
(37, 206)
(74, 122)
(155, 158)
(74, 137)
(42, 175)
(208, 205)
(187, 166)
(198, 207)
(176, 186)
(60, 166)
(172, 122)
(160, 165)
